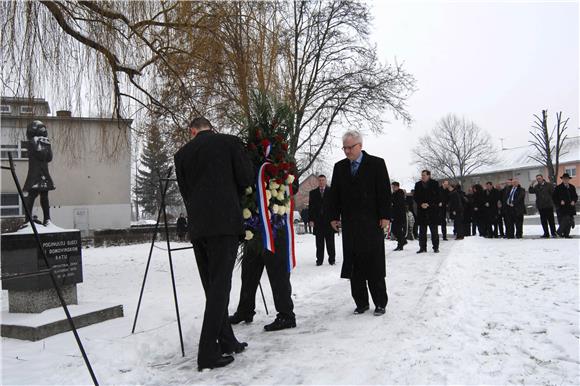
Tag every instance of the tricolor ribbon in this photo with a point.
(290, 230)
(264, 211)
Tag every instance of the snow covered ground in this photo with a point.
(480, 312)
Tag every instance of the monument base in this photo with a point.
(51, 322)
(36, 301)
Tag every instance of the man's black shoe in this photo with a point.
(238, 318)
(281, 323)
(421, 250)
(220, 362)
(379, 311)
(360, 310)
(436, 250)
(236, 349)
(318, 263)
(332, 262)
(444, 238)
(398, 249)
(545, 236)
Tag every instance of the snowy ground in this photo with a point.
(480, 312)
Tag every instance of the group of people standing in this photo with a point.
(490, 211)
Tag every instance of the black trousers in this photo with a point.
(276, 266)
(547, 220)
(498, 227)
(321, 239)
(444, 223)
(458, 224)
(398, 229)
(215, 258)
(307, 227)
(43, 202)
(360, 293)
(514, 224)
(565, 224)
(423, 235)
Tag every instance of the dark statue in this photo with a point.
(38, 181)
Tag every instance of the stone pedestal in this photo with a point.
(32, 300)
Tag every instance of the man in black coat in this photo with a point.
(305, 217)
(253, 264)
(398, 215)
(443, 201)
(456, 203)
(427, 196)
(361, 197)
(498, 225)
(491, 199)
(213, 171)
(320, 221)
(181, 227)
(544, 192)
(515, 208)
(565, 198)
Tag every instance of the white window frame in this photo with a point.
(19, 207)
(8, 111)
(571, 170)
(19, 148)
(23, 112)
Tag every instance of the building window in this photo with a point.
(19, 151)
(5, 109)
(26, 110)
(10, 205)
(571, 170)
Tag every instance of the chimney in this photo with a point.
(64, 113)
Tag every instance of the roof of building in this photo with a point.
(519, 158)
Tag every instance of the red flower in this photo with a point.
(265, 143)
(285, 146)
(279, 181)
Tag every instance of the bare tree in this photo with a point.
(549, 145)
(455, 148)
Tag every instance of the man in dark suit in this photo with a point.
(399, 216)
(360, 201)
(320, 222)
(565, 198)
(427, 196)
(443, 203)
(213, 171)
(515, 208)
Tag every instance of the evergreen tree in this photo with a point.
(155, 164)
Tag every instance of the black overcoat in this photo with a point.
(39, 155)
(318, 211)
(519, 200)
(213, 171)
(398, 208)
(568, 195)
(428, 193)
(360, 202)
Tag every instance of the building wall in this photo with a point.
(301, 198)
(90, 169)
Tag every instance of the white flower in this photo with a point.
(246, 213)
(275, 208)
(274, 185)
(249, 235)
(268, 195)
(280, 196)
(248, 190)
(274, 193)
(281, 210)
(290, 179)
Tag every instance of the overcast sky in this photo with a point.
(496, 63)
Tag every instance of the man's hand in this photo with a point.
(384, 223)
(572, 203)
(476, 209)
(512, 205)
(335, 225)
(311, 224)
(440, 204)
(487, 204)
(562, 202)
(424, 205)
(454, 213)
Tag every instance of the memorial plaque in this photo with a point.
(20, 255)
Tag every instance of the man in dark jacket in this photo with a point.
(361, 199)
(456, 202)
(491, 200)
(305, 217)
(427, 196)
(181, 227)
(320, 221)
(399, 216)
(515, 208)
(213, 171)
(565, 198)
(498, 225)
(443, 201)
(544, 192)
